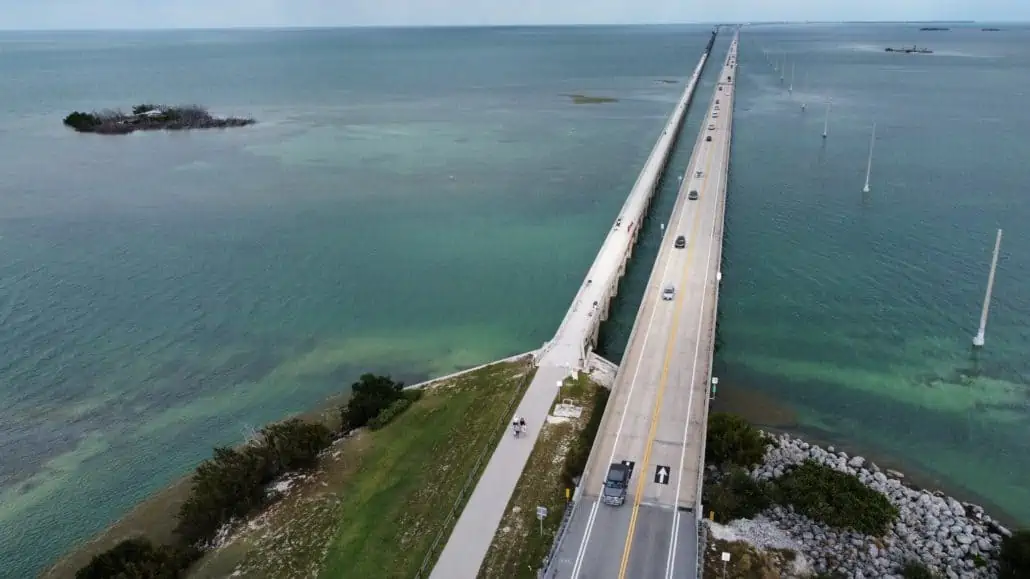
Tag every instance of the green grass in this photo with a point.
(519, 546)
(399, 496)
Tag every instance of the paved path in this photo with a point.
(658, 412)
(469, 541)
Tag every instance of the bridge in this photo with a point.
(657, 416)
(571, 350)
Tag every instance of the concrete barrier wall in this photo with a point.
(721, 223)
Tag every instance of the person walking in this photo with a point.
(522, 424)
(515, 425)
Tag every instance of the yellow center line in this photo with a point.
(668, 355)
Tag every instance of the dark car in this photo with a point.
(681, 242)
(692, 196)
(708, 138)
(615, 484)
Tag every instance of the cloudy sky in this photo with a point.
(44, 14)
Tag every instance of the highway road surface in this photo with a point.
(658, 412)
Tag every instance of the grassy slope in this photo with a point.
(400, 496)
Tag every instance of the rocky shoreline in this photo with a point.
(952, 538)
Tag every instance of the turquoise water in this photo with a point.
(411, 202)
(416, 201)
(857, 310)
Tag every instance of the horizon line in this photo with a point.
(270, 27)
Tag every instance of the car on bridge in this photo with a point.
(681, 242)
(692, 195)
(615, 484)
(668, 293)
(711, 127)
(709, 138)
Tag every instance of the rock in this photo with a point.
(931, 527)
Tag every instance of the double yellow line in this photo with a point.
(656, 413)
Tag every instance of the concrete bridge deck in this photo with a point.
(657, 415)
(569, 350)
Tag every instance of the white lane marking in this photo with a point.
(581, 552)
(670, 561)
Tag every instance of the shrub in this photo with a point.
(917, 570)
(835, 498)
(135, 558)
(369, 396)
(389, 413)
(579, 452)
(736, 496)
(81, 121)
(1014, 557)
(232, 483)
(731, 440)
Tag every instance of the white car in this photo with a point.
(668, 293)
(711, 127)
(698, 174)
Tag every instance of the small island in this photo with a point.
(990, 29)
(933, 29)
(149, 117)
(907, 50)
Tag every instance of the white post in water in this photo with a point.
(978, 340)
(869, 164)
(783, 68)
(826, 121)
(790, 89)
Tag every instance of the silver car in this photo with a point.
(668, 293)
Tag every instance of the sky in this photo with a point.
(91, 14)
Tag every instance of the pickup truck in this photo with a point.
(615, 484)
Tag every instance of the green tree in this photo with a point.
(81, 121)
(369, 395)
(1014, 557)
(731, 440)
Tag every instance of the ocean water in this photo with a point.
(411, 201)
(857, 310)
(414, 201)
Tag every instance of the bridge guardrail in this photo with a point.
(559, 536)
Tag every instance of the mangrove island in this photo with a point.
(148, 117)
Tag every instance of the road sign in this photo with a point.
(541, 512)
(661, 474)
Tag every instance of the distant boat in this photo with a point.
(914, 50)
(991, 29)
(933, 29)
